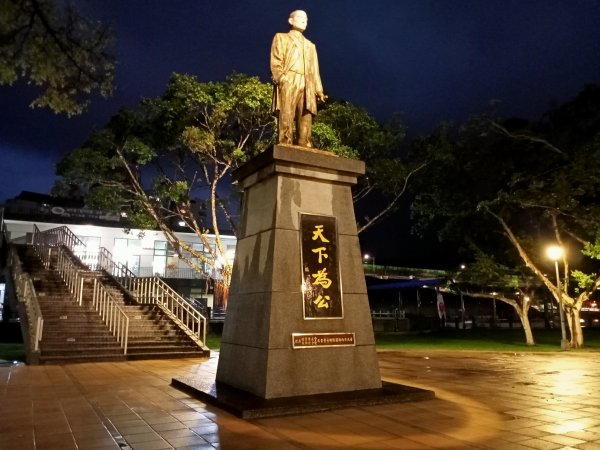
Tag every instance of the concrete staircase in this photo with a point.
(72, 333)
(76, 333)
(152, 334)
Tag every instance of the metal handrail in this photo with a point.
(102, 301)
(153, 290)
(41, 248)
(71, 274)
(118, 270)
(186, 273)
(112, 314)
(57, 236)
(26, 294)
(187, 318)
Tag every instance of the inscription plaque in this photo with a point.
(321, 284)
(312, 340)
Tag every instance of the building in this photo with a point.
(143, 252)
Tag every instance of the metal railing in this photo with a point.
(71, 274)
(153, 290)
(26, 294)
(56, 237)
(185, 273)
(74, 276)
(122, 274)
(112, 314)
(41, 247)
(148, 290)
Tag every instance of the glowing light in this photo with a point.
(554, 252)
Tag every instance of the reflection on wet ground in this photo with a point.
(483, 401)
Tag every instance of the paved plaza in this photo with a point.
(483, 401)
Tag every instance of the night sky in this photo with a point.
(431, 61)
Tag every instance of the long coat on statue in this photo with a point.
(286, 53)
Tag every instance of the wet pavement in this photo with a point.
(483, 401)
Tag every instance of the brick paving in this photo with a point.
(483, 401)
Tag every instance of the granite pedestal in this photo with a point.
(270, 348)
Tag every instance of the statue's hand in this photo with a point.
(321, 96)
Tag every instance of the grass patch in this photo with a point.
(10, 351)
(483, 339)
(479, 339)
(213, 341)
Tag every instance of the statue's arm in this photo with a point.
(278, 58)
(318, 85)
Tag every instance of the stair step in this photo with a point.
(69, 359)
(169, 355)
(78, 339)
(81, 352)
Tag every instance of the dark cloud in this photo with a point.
(431, 60)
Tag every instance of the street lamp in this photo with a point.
(368, 257)
(462, 301)
(554, 252)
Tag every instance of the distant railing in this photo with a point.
(391, 271)
(112, 314)
(179, 273)
(153, 290)
(56, 237)
(88, 258)
(26, 294)
(397, 314)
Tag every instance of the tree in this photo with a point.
(151, 163)
(485, 278)
(514, 186)
(388, 172)
(55, 48)
(154, 162)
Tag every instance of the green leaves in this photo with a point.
(584, 281)
(198, 140)
(511, 186)
(140, 152)
(57, 49)
(325, 137)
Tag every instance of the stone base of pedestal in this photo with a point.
(298, 333)
(249, 406)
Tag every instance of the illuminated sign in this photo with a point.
(321, 284)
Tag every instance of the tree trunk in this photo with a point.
(222, 287)
(524, 318)
(575, 327)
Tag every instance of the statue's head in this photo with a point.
(298, 20)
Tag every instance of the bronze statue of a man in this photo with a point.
(295, 71)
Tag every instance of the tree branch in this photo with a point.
(526, 137)
(394, 201)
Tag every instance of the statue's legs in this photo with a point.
(291, 94)
(304, 126)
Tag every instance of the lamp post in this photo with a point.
(368, 257)
(462, 301)
(554, 252)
